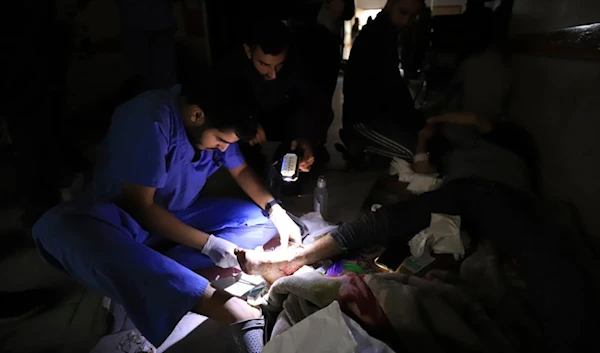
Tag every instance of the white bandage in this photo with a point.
(420, 157)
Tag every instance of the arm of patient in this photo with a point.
(138, 201)
(421, 165)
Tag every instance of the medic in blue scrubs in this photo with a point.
(160, 149)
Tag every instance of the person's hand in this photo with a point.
(288, 229)
(455, 118)
(308, 158)
(221, 252)
(260, 137)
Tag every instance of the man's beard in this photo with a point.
(195, 136)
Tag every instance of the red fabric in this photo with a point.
(357, 299)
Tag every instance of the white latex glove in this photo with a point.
(287, 229)
(221, 252)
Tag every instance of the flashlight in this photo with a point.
(290, 165)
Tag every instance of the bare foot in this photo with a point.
(271, 265)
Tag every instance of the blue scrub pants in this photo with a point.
(104, 248)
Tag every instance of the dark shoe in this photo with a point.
(248, 336)
(358, 161)
(352, 152)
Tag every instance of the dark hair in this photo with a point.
(221, 111)
(271, 35)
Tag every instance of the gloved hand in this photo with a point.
(288, 230)
(221, 252)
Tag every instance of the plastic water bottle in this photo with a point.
(320, 198)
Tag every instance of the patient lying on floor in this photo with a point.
(494, 202)
(478, 152)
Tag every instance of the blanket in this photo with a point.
(474, 311)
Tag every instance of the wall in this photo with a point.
(533, 15)
(378, 4)
(98, 77)
(363, 16)
(446, 10)
(557, 100)
(435, 3)
(370, 4)
(102, 19)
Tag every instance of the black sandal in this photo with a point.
(248, 336)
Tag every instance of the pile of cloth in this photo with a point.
(474, 311)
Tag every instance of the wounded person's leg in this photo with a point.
(369, 230)
(273, 265)
(390, 226)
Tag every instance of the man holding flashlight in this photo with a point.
(277, 92)
(145, 226)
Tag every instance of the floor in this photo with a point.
(195, 331)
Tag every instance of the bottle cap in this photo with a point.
(321, 182)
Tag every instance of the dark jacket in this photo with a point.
(288, 107)
(374, 90)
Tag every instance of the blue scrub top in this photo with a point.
(147, 145)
